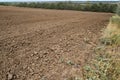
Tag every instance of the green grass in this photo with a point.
(115, 20)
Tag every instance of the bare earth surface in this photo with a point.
(39, 44)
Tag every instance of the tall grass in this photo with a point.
(111, 34)
(115, 20)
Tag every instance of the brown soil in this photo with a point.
(39, 44)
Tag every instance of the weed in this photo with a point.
(103, 67)
(112, 40)
(86, 40)
(75, 78)
(69, 62)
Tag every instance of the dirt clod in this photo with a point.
(11, 76)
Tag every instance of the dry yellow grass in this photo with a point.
(113, 27)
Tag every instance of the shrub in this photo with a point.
(118, 10)
(96, 7)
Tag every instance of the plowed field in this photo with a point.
(42, 44)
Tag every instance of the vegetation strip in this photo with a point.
(94, 7)
(106, 64)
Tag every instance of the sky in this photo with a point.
(51, 0)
